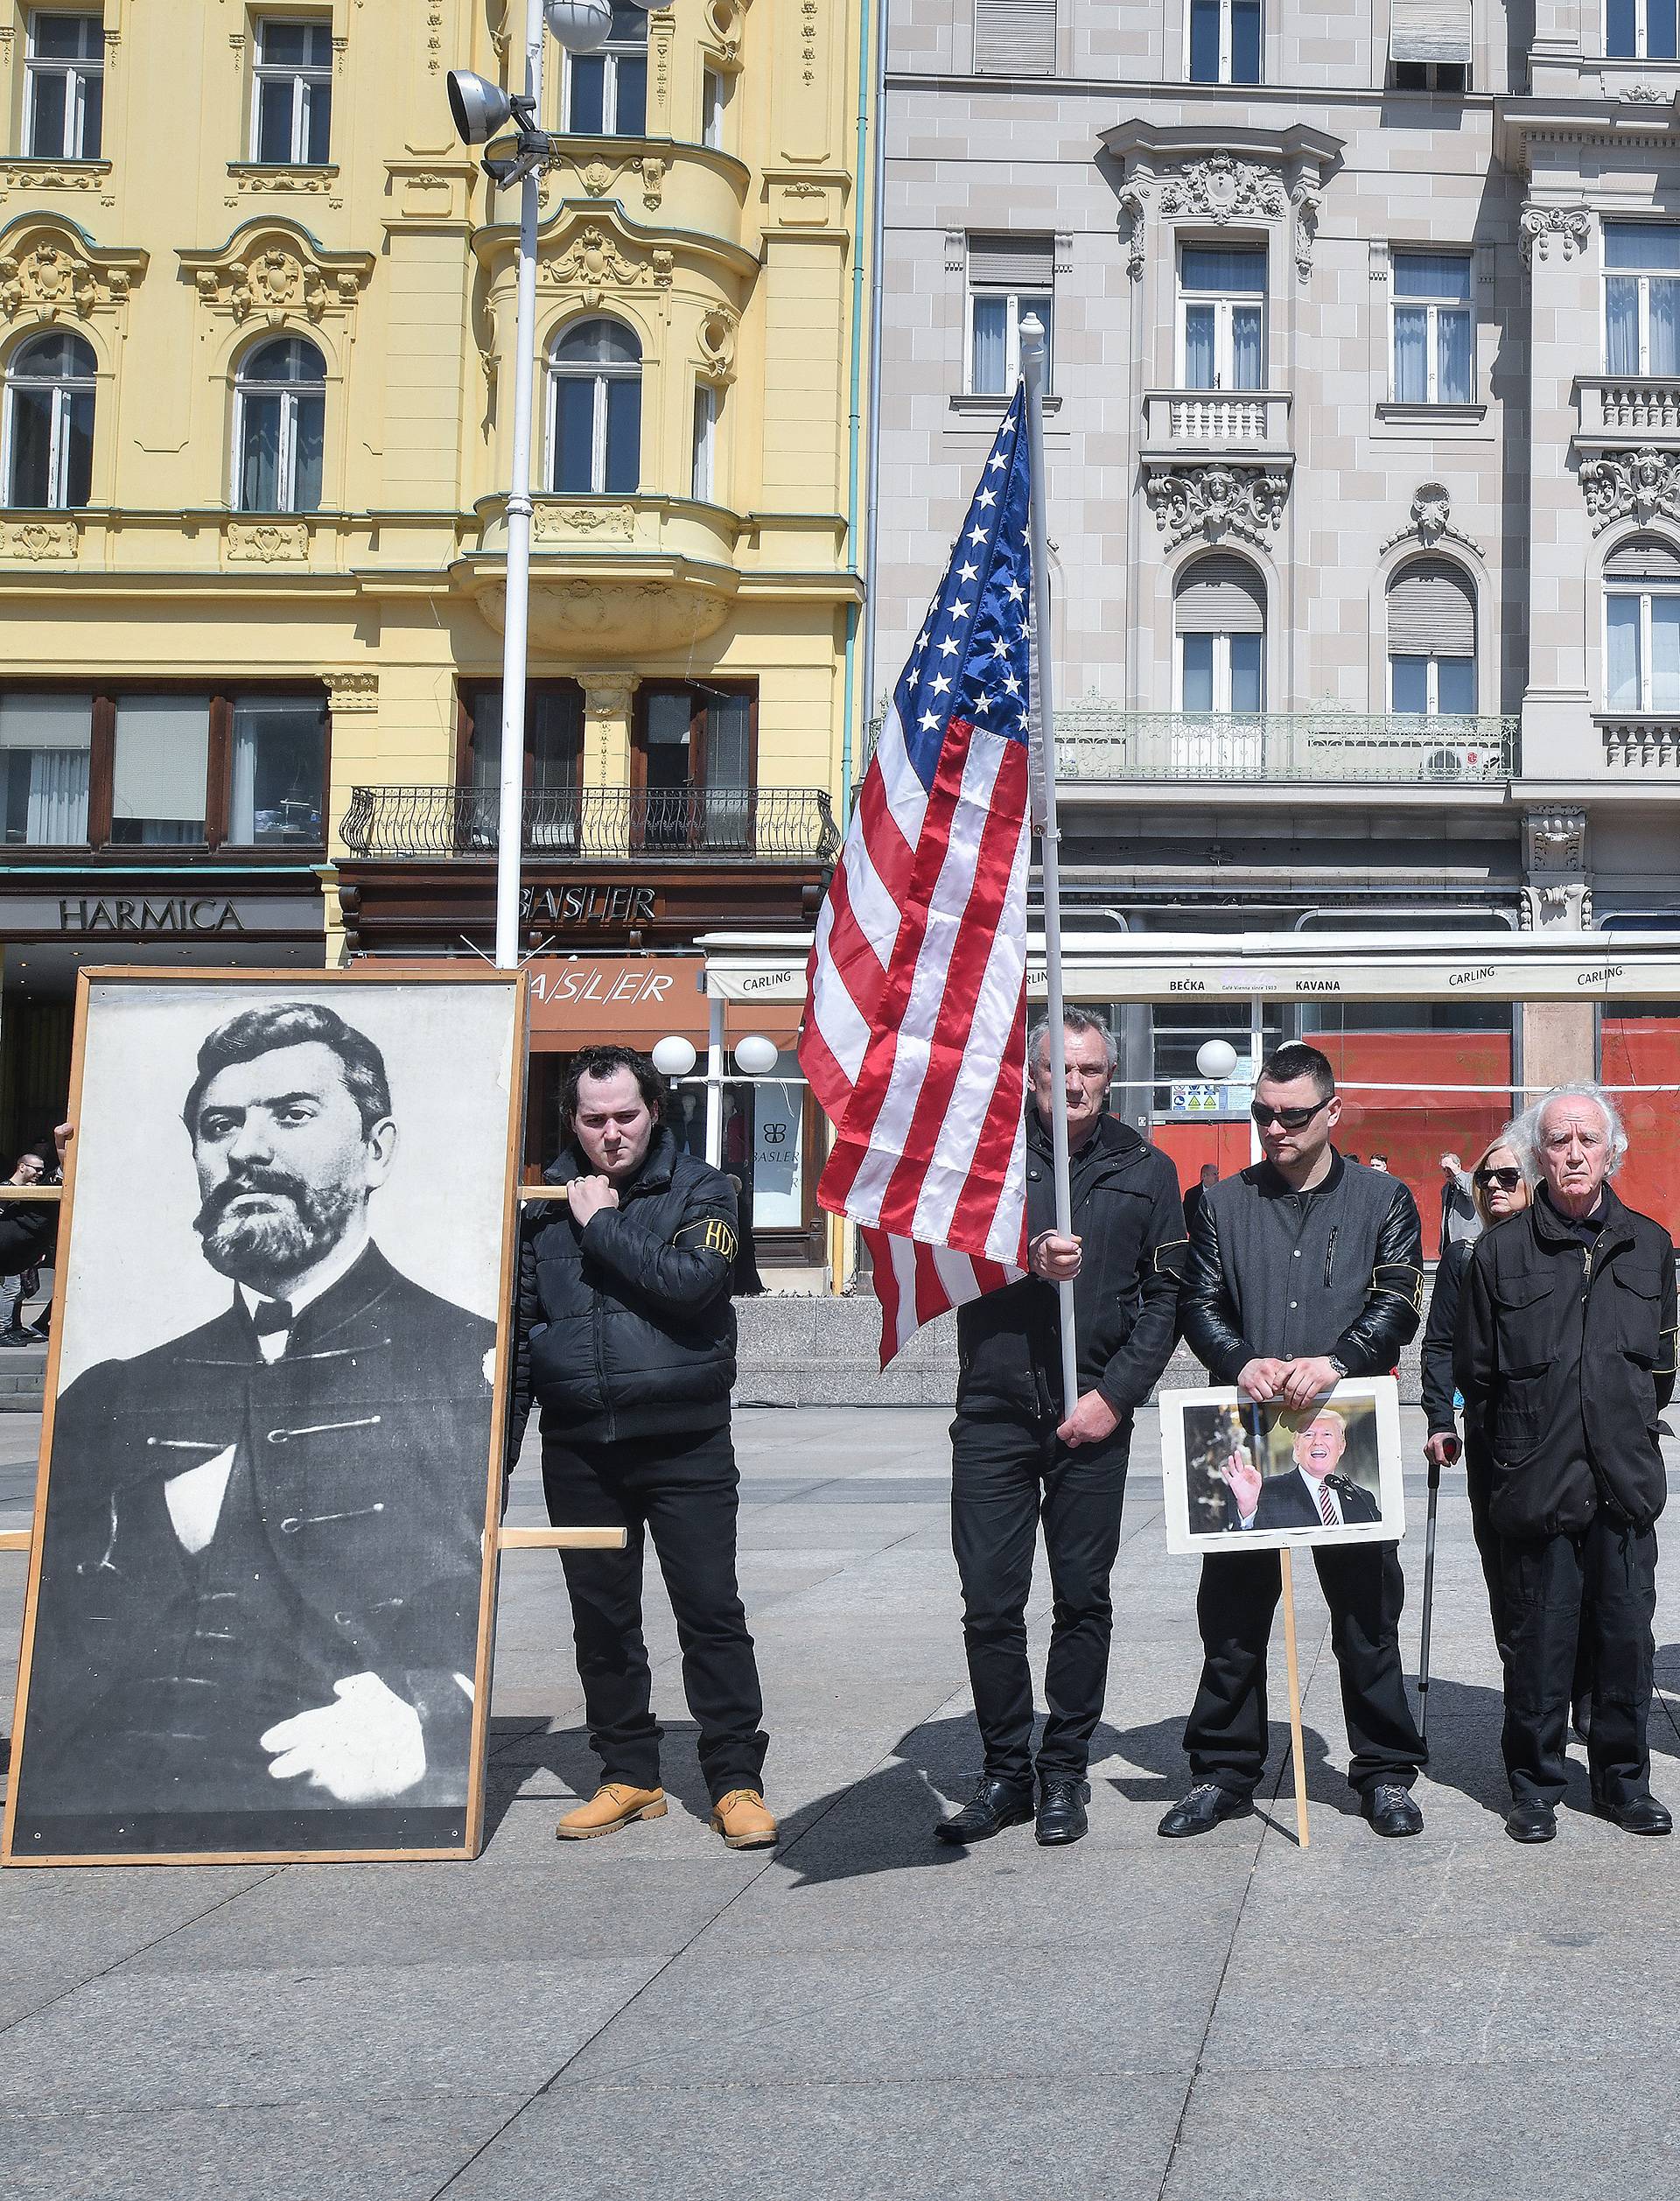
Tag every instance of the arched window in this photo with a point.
(1219, 621)
(1432, 639)
(1641, 626)
(279, 420)
(595, 410)
(49, 427)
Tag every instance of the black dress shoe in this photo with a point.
(1062, 1811)
(994, 1805)
(1391, 1811)
(1202, 1809)
(1639, 1815)
(1531, 1823)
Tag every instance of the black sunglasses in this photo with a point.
(1506, 1180)
(1291, 1119)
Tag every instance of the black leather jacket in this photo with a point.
(1278, 1274)
(1128, 1217)
(1565, 1358)
(28, 1231)
(625, 1326)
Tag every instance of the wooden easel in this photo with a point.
(1298, 1756)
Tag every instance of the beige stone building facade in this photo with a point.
(1364, 457)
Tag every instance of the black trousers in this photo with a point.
(1595, 1589)
(1009, 1474)
(1364, 1588)
(684, 1490)
(1478, 1483)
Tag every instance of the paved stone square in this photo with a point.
(865, 2013)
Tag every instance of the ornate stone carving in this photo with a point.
(39, 540)
(610, 617)
(30, 176)
(273, 268)
(47, 269)
(1307, 204)
(1622, 485)
(1215, 500)
(267, 541)
(352, 691)
(723, 20)
(599, 177)
(1222, 188)
(594, 263)
(717, 332)
(1571, 227)
(552, 522)
(1431, 520)
(1134, 208)
(1642, 95)
(608, 695)
(1558, 906)
(1557, 895)
(1555, 840)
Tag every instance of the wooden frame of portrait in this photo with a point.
(494, 1537)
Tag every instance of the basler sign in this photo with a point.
(580, 999)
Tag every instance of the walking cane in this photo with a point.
(1429, 1595)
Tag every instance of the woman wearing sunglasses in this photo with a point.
(1499, 1189)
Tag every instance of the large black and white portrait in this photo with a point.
(1237, 1475)
(259, 1610)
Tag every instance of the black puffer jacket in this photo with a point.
(625, 1328)
(1128, 1217)
(1565, 1358)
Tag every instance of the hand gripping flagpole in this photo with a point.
(1044, 807)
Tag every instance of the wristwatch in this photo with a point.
(1339, 1366)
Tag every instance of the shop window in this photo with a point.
(279, 425)
(1431, 640)
(49, 424)
(1219, 617)
(1015, 38)
(1009, 279)
(1222, 317)
(606, 93)
(1224, 41)
(64, 86)
(160, 769)
(1639, 1044)
(1641, 626)
(278, 772)
(292, 93)
(595, 410)
(1641, 30)
(1434, 330)
(694, 763)
(45, 741)
(1641, 297)
(554, 753)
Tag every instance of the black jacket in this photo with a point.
(1285, 1502)
(625, 1328)
(1439, 1383)
(29, 1229)
(1565, 1358)
(1279, 1274)
(1128, 1217)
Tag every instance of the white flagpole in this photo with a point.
(1049, 836)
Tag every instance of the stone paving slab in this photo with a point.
(865, 2013)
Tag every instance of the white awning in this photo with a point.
(1430, 30)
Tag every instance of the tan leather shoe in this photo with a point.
(742, 1820)
(615, 1804)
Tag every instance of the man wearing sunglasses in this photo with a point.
(1304, 1269)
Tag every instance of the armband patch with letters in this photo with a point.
(712, 1235)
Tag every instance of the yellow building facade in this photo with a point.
(257, 328)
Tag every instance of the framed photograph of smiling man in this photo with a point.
(1239, 1477)
(260, 1594)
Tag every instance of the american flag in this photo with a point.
(914, 1032)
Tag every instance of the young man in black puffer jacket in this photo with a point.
(627, 1346)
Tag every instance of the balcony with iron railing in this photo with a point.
(1096, 742)
(690, 824)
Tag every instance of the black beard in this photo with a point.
(267, 1250)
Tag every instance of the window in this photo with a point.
(1641, 297)
(714, 91)
(291, 99)
(49, 422)
(1641, 30)
(1434, 347)
(1431, 640)
(554, 756)
(1009, 278)
(1224, 41)
(279, 772)
(280, 408)
(705, 439)
(1015, 38)
(606, 93)
(64, 86)
(1221, 318)
(160, 768)
(1429, 46)
(45, 743)
(1219, 615)
(595, 410)
(694, 764)
(1641, 628)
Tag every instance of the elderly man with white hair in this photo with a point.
(1565, 1355)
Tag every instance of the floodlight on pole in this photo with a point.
(479, 107)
